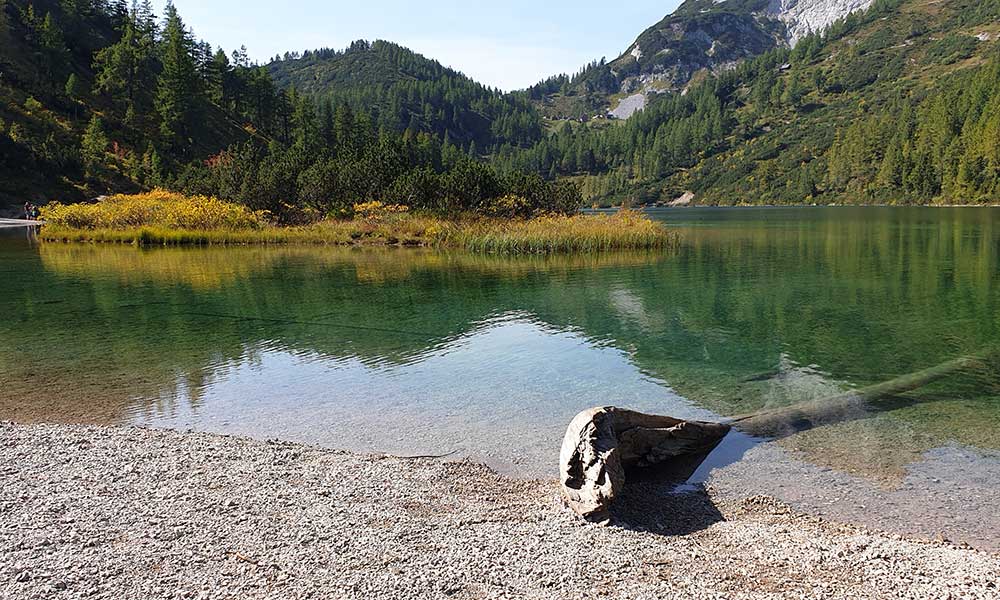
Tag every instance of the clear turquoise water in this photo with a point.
(413, 352)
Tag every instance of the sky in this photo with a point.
(509, 44)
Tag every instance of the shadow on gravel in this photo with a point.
(657, 507)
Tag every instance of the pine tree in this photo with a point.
(72, 88)
(72, 12)
(93, 146)
(125, 71)
(53, 45)
(891, 172)
(145, 19)
(118, 11)
(152, 166)
(177, 92)
(73, 91)
(219, 73)
(305, 127)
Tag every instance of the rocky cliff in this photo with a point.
(714, 35)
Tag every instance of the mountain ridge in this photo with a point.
(700, 38)
(406, 90)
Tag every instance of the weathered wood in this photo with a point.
(603, 444)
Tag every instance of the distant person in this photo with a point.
(27, 211)
(36, 213)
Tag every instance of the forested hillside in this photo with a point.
(899, 104)
(99, 96)
(404, 91)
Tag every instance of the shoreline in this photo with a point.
(759, 206)
(134, 513)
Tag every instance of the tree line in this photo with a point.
(148, 104)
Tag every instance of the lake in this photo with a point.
(420, 352)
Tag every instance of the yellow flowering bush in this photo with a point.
(158, 208)
(376, 211)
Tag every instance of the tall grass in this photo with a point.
(624, 230)
(164, 219)
(413, 231)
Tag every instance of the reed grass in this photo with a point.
(165, 219)
(624, 230)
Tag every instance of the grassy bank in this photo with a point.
(161, 218)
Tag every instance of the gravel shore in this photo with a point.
(123, 513)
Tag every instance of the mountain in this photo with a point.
(701, 37)
(406, 91)
(899, 103)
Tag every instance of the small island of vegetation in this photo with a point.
(505, 225)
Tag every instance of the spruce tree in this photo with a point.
(219, 83)
(93, 146)
(53, 46)
(125, 71)
(73, 91)
(177, 92)
(72, 87)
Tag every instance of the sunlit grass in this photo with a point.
(158, 209)
(624, 230)
(165, 219)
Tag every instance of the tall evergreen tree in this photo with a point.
(55, 54)
(73, 91)
(177, 92)
(125, 71)
(93, 146)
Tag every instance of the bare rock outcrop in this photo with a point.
(603, 445)
(802, 17)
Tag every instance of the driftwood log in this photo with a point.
(603, 444)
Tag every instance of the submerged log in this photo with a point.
(781, 422)
(603, 444)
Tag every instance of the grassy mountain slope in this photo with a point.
(897, 104)
(404, 90)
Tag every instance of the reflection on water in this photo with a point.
(428, 353)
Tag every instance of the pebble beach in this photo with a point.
(123, 513)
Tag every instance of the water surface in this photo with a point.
(415, 352)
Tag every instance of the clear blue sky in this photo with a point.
(508, 43)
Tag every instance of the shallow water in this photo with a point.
(413, 352)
